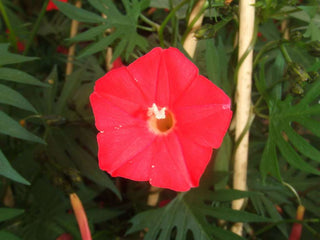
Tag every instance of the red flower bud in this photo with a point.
(297, 227)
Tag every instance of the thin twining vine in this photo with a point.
(166, 20)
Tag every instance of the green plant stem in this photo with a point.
(293, 191)
(36, 27)
(175, 26)
(285, 53)
(284, 13)
(245, 130)
(12, 36)
(166, 20)
(267, 47)
(190, 26)
(151, 23)
(246, 53)
(145, 28)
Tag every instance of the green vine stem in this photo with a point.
(167, 19)
(36, 27)
(248, 50)
(12, 35)
(285, 53)
(293, 191)
(149, 22)
(190, 26)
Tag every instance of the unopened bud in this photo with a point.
(297, 72)
(314, 48)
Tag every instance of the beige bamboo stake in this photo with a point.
(190, 42)
(285, 29)
(243, 101)
(109, 53)
(72, 48)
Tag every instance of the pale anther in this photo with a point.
(159, 114)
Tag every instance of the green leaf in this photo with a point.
(282, 114)
(50, 94)
(124, 28)
(8, 236)
(274, 214)
(11, 58)
(161, 222)
(8, 171)
(13, 98)
(229, 195)
(222, 161)
(78, 14)
(291, 155)
(69, 149)
(302, 145)
(189, 212)
(91, 34)
(99, 46)
(233, 215)
(217, 64)
(68, 88)
(9, 213)
(18, 76)
(269, 161)
(10, 127)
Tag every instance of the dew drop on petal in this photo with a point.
(152, 166)
(225, 106)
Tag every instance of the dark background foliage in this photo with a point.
(48, 139)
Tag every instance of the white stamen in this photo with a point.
(159, 114)
(101, 131)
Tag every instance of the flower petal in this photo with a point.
(205, 125)
(177, 163)
(120, 88)
(203, 113)
(163, 75)
(203, 92)
(119, 147)
(180, 72)
(110, 116)
(145, 72)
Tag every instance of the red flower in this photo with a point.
(297, 227)
(52, 6)
(20, 45)
(159, 120)
(62, 49)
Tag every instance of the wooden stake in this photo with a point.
(72, 48)
(243, 101)
(190, 42)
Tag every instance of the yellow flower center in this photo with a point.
(161, 121)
